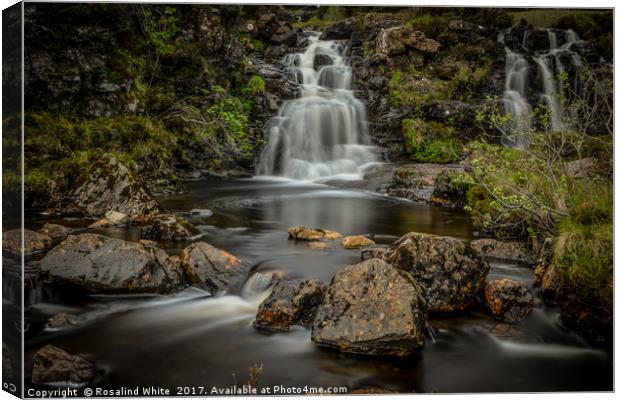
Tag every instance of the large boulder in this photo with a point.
(100, 264)
(448, 269)
(312, 234)
(216, 270)
(508, 300)
(168, 227)
(109, 185)
(372, 308)
(33, 242)
(52, 364)
(290, 303)
(495, 249)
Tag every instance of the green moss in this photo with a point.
(256, 85)
(431, 25)
(430, 141)
(412, 88)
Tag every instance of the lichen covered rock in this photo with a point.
(216, 270)
(290, 303)
(52, 364)
(508, 300)
(108, 184)
(312, 234)
(511, 251)
(33, 242)
(372, 308)
(168, 227)
(100, 264)
(356, 242)
(448, 269)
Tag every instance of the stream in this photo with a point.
(191, 339)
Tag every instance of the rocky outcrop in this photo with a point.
(451, 186)
(372, 308)
(109, 185)
(552, 286)
(168, 227)
(375, 252)
(100, 264)
(33, 242)
(508, 300)
(495, 249)
(290, 303)
(450, 272)
(57, 233)
(339, 31)
(216, 270)
(417, 182)
(356, 242)
(276, 31)
(401, 39)
(52, 364)
(312, 234)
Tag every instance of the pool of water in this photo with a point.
(190, 339)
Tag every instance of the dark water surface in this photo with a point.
(190, 339)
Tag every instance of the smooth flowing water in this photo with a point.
(323, 133)
(190, 339)
(549, 67)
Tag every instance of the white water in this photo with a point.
(548, 67)
(323, 133)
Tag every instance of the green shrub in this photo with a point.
(412, 88)
(256, 85)
(430, 141)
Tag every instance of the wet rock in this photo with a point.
(7, 364)
(593, 321)
(148, 243)
(539, 272)
(319, 245)
(449, 270)
(339, 31)
(108, 184)
(312, 234)
(552, 286)
(216, 270)
(102, 223)
(372, 308)
(168, 227)
(451, 187)
(356, 242)
(291, 303)
(57, 233)
(52, 364)
(101, 264)
(321, 60)
(417, 182)
(512, 251)
(33, 242)
(508, 300)
(376, 252)
(201, 212)
(117, 218)
(61, 320)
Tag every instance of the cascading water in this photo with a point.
(547, 65)
(323, 133)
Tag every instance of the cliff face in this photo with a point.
(185, 91)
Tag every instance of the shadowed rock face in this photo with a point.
(448, 270)
(290, 303)
(372, 308)
(52, 364)
(100, 264)
(215, 269)
(508, 300)
(109, 185)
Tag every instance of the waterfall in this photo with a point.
(323, 133)
(544, 64)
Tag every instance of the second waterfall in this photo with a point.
(323, 133)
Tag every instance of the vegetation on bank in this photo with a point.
(559, 186)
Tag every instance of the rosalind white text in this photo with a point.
(133, 391)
